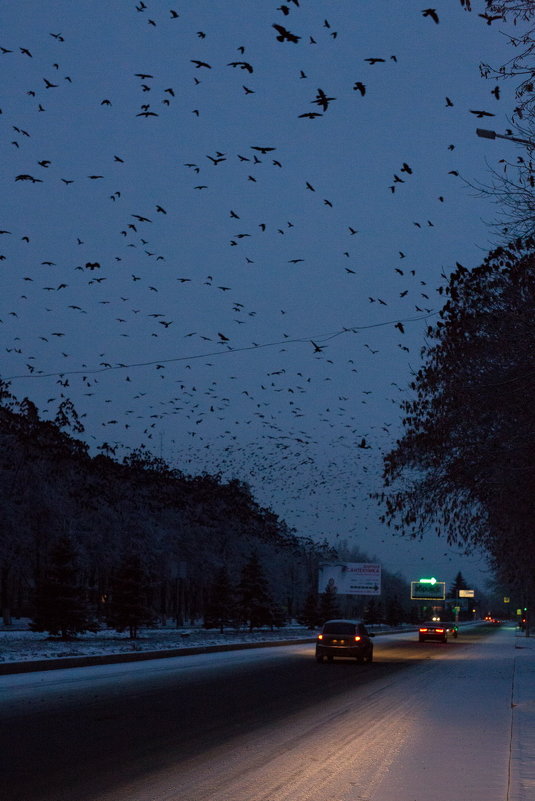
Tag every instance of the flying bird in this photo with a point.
(322, 100)
(491, 18)
(244, 65)
(25, 177)
(285, 35)
(481, 114)
(431, 12)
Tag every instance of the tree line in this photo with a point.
(89, 541)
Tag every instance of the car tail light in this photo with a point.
(320, 636)
(439, 631)
(422, 630)
(357, 638)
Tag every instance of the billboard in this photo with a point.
(351, 578)
(428, 590)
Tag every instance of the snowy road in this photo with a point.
(423, 721)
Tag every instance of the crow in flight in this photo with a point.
(285, 35)
(431, 12)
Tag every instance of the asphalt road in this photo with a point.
(157, 730)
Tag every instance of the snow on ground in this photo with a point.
(18, 644)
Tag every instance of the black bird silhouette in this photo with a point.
(322, 100)
(200, 64)
(25, 177)
(491, 18)
(244, 65)
(285, 35)
(431, 12)
(481, 114)
(360, 87)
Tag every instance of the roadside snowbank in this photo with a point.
(24, 645)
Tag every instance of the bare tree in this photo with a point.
(512, 186)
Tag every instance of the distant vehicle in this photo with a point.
(435, 630)
(346, 639)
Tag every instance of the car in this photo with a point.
(435, 630)
(348, 639)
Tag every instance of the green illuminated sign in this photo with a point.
(428, 589)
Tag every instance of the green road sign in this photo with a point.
(426, 590)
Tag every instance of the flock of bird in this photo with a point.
(180, 259)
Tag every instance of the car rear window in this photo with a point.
(339, 628)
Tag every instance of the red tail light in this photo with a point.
(423, 630)
(320, 636)
(439, 631)
(357, 638)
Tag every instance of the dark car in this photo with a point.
(346, 639)
(433, 631)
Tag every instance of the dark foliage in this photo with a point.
(465, 464)
(60, 606)
(329, 608)
(222, 608)
(310, 616)
(185, 528)
(255, 602)
(128, 606)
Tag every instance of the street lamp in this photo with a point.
(486, 134)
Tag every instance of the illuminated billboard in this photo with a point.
(351, 578)
(428, 589)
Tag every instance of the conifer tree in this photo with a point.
(129, 606)
(310, 615)
(329, 608)
(255, 601)
(374, 611)
(60, 604)
(458, 584)
(221, 609)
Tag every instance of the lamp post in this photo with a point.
(486, 134)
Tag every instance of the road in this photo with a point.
(263, 725)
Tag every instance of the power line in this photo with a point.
(304, 339)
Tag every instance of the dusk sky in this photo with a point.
(227, 247)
